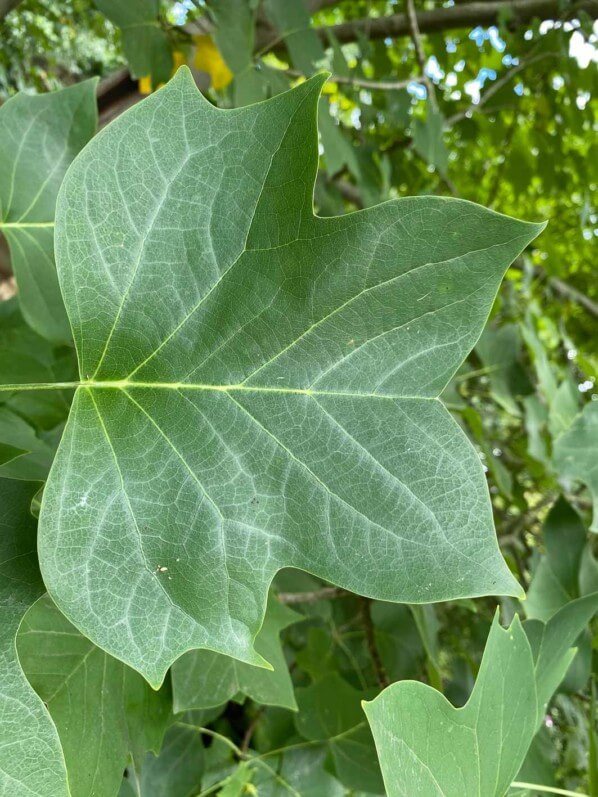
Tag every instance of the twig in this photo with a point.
(381, 85)
(562, 288)
(370, 637)
(326, 593)
(496, 87)
(461, 15)
(419, 51)
(251, 729)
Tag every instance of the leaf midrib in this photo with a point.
(125, 385)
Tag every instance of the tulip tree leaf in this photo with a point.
(202, 679)
(78, 681)
(39, 137)
(259, 385)
(176, 771)
(576, 453)
(551, 645)
(31, 759)
(428, 748)
(330, 712)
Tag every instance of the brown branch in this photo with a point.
(370, 638)
(6, 6)
(374, 85)
(350, 193)
(459, 16)
(562, 288)
(326, 593)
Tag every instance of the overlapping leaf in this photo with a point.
(39, 137)
(428, 748)
(31, 760)
(102, 709)
(576, 453)
(202, 679)
(258, 384)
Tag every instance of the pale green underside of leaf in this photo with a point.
(428, 748)
(31, 760)
(39, 137)
(259, 384)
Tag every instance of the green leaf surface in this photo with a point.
(10, 453)
(102, 709)
(428, 140)
(556, 578)
(31, 759)
(273, 401)
(202, 679)
(499, 350)
(39, 137)
(576, 453)
(177, 770)
(299, 771)
(428, 748)
(551, 645)
(330, 711)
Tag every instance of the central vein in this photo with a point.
(125, 384)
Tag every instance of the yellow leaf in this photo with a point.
(208, 59)
(145, 85)
(178, 59)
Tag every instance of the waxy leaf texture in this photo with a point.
(258, 385)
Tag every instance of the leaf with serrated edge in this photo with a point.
(31, 759)
(259, 384)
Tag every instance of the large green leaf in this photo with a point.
(31, 760)
(101, 709)
(259, 384)
(202, 679)
(39, 137)
(576, 453)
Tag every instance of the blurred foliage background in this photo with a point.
(492, 102)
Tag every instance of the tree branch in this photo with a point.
(370, 638)
(326, 593)
(6, 6)
(460, 16)
(359, 83)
